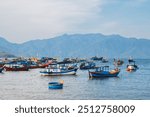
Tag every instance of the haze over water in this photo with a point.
(31, 85)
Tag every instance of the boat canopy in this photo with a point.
(102, 68)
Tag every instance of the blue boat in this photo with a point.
(1, 69)
(55, 85)
(87, 65)
(95, 58)
(103, 71)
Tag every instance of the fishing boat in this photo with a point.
(33, 65)
(130, 60)
(95, 58)
(103, 71)
(15, 67)
(104, 60)
(132, 66)
(87, 65)
(57, 70)
(55, 85)
(118, 62)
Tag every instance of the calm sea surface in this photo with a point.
(31, 85)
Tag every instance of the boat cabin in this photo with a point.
(103, 68)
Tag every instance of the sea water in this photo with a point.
(31, 85)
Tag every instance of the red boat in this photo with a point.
(15, 67)
(40, 65)
(45, 64)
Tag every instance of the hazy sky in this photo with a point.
(22, 20)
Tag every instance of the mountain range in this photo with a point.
(79, 45)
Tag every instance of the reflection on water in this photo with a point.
(30, 85)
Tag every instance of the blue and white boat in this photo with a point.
(103, 71)
(57, 70)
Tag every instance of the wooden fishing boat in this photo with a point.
(15, 67)
(132, 66)
(57, 70)
(130, 60)
(34, 65)
(104, 72)
(46, 64)
(95, 58)
(105, 60)
(87, 65)
(118, 62)
(55, 85)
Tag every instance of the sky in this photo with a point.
(24, 20)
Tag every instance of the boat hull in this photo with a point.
(86, 68)
(16, 69)
(103, 74)
(132, 67)
(39, 66)
(55, 85)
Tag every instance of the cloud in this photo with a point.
(24, 19)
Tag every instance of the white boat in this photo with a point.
(132, 67)
(58, 71)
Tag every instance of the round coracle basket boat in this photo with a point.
(55, 85)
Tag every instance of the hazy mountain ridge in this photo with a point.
(81, 45)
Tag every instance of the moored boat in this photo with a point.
(57, 70)
(130, 60)
(87, 65)
(118, 62)
(104, 60)
(15, 67)
(55, 85)
(46, 64)
(132, 66)
(95, 58)
(103, 71)
(33, 66)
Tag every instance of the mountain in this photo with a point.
(5, 48)
(6, 55)
(81, 45)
